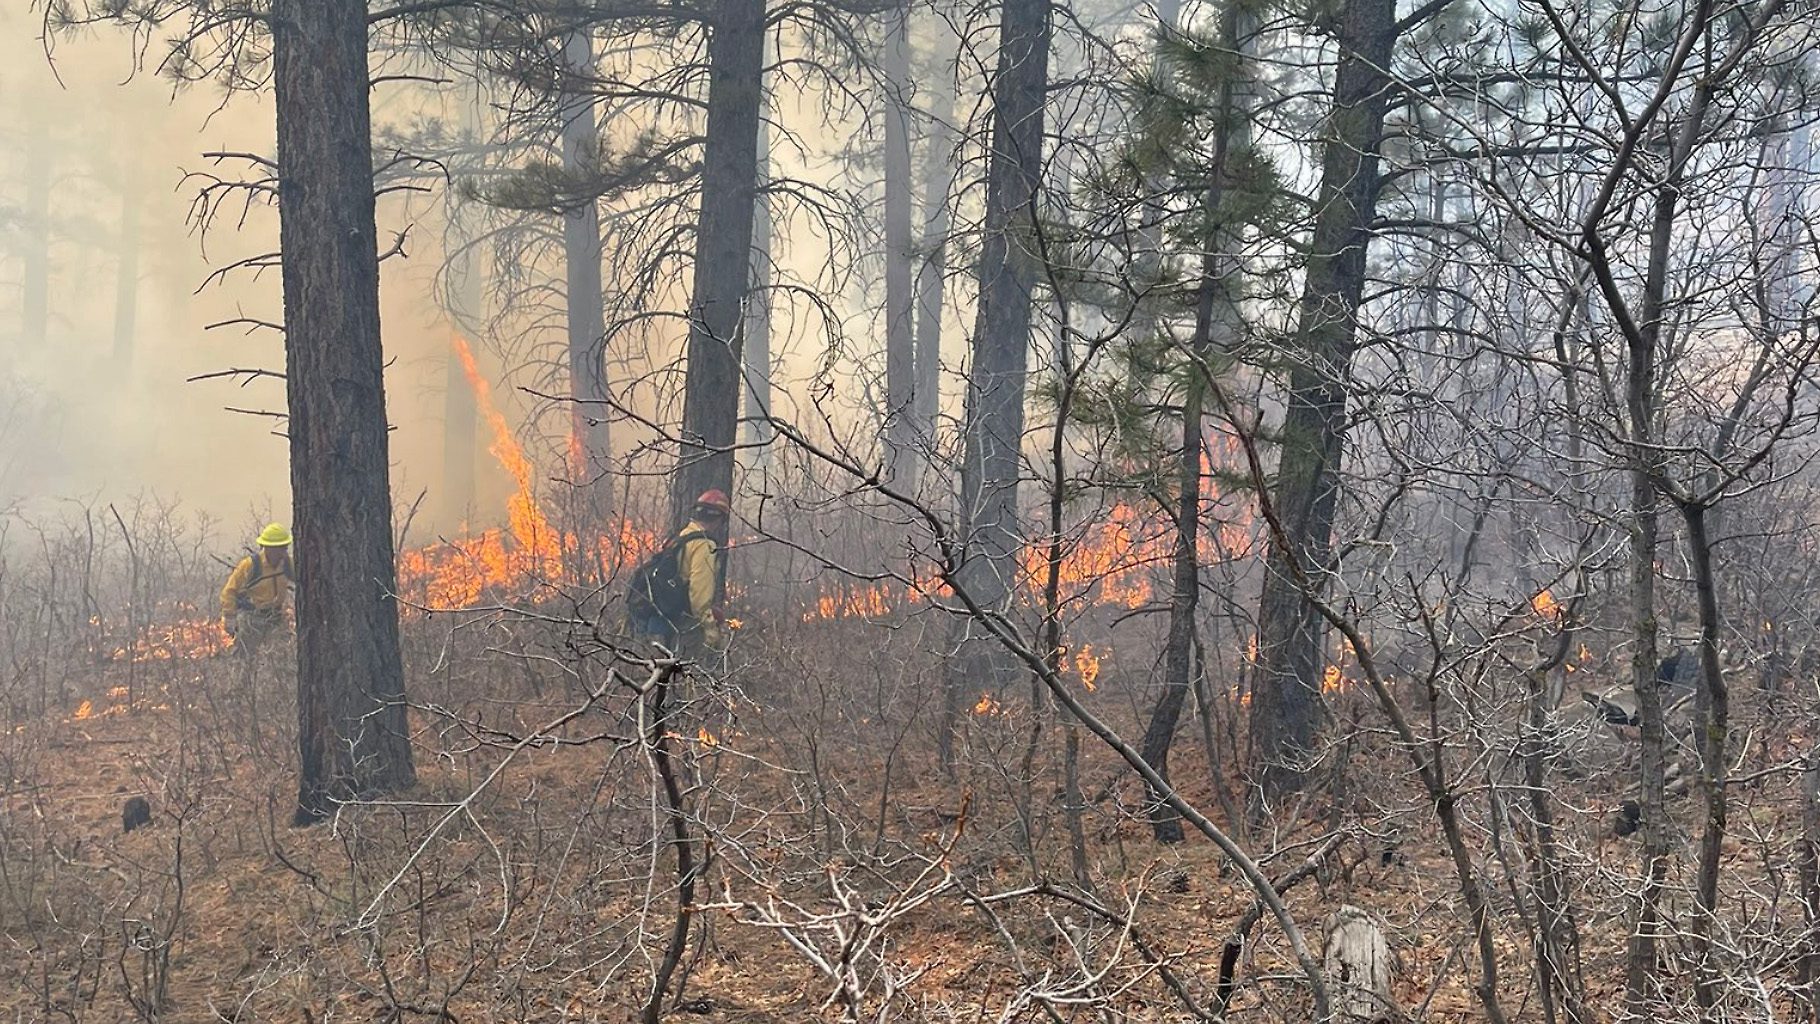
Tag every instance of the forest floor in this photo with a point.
(545, 897)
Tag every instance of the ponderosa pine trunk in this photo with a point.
(900, 434)
(1286, 711)
(590, 452)
(998, 375)
(723, 251)
(352, 729)
(756, 350)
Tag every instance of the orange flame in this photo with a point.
(988, 706)
(1546, 606)
(1118, 560)
(867, 602)
(529, 525)
(460, 573)
(179, 640)
(1087, 664)
(1114, 562)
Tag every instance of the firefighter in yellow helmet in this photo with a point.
(252, 603)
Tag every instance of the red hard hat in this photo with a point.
(715, 499)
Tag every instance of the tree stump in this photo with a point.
(135, 813)
(1359, 967)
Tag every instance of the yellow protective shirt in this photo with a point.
(698, 565)
(261, 584)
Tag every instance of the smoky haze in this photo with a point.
(104, 165)
(98, 188)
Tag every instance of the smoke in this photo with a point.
(113, 296)
(100, 185)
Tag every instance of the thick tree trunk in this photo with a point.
(756, 352)
(723, 253)
(590, 452)
(126, 280)
(1001, 345)
(1216, 325)
(352, 729)
(1286, 708)
(900, 434)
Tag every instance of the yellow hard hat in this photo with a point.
(275, 536)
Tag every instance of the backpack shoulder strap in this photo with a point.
(654, 562)
(682, 539)
(693, 534)
(259, 574)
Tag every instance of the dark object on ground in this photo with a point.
(1629, 819)
(134, 813)
(1679, 674)
(1390, 847)
(1613, 713)
(700, 1004)
(1174, 880)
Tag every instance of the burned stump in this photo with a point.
(1359, 967)
(134, 813)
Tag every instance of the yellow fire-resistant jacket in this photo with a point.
(698, 564)
(259, 583)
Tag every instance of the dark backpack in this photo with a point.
(658, 590)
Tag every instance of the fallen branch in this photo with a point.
(1235, 945)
